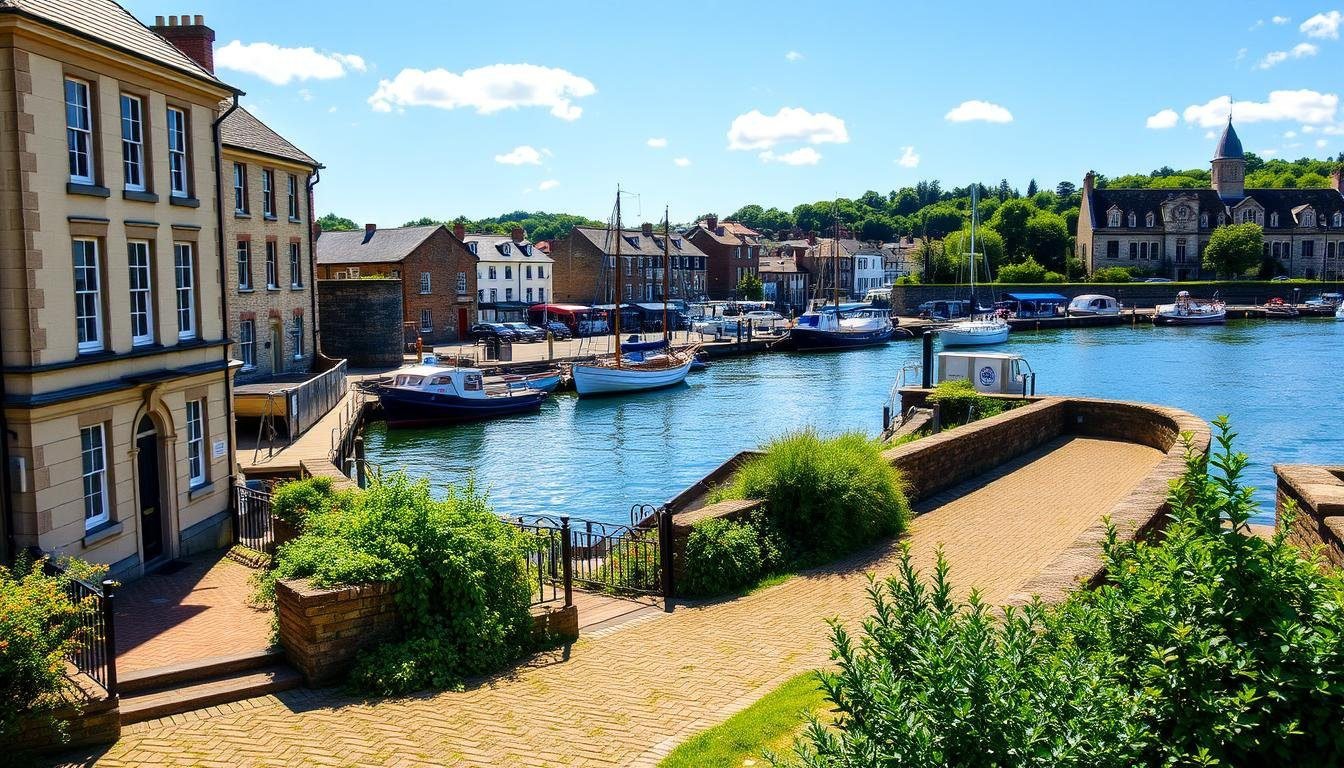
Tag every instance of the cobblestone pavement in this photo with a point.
(628, 696)
(194, 613)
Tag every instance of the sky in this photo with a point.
(467, 108)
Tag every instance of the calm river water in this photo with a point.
(1280, 382)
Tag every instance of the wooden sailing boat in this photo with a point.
(617, 374)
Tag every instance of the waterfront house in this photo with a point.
(899, 259)
(436, 270)
(586, 260)
(1165, 231)
(818, 255)
(512, 274)
(734, 251)
(115, 440)
(784, 281)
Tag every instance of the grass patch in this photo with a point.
(770, 724)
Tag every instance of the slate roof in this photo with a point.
(1229, 146)
(780, 264)
(487, 249)
(730, 232)
(1289, 202)
(636, 244)
(1282, 201)
(242, 130)
(386, 245)
(107, 22)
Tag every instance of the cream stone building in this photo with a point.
(116, 420)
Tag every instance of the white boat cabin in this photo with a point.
(1094, 304)
(463, 382)
(989, 372)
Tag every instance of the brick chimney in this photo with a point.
(1089, 181)
(369, 229)
(317, 229)
(460, 230)
(1337, 179)
(517, 234)
(190, 36)
(647, 229)
(711, 223)
(811, 238)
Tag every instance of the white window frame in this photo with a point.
(93, 461)
(247, 343)
(426, 282)
(353, 272)
(79, 130)
(529, 295)
(480, 295)
(268, 192)
(196, 443)
(179, 173)
(140, 272)
(508, 272)
(88, 285)
(298, 337)
(293, 203)
(243, 256)
(1113, 219)
(461, 283)
(133, 142)
(184, 271)
(239, 188)
(426, 321)
(272, 266)
(494, 296)
(295, 266)
(508, 294)
(541, 295)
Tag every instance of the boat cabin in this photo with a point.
(463, 382)
(1034, 305)
(1000, 373)
(1094, 304)
(945, 309)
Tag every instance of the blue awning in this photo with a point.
(1037, 297)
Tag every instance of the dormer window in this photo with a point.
(633, 241)
(1149, 220)
(676, 241)
(1113, 219)
(1222, 219)
(1133, 220)
(1274, 219)
(527, 250)
(505, 249)
(1204, 220)
(471, 246)
(1309, 219)
(1337, 220)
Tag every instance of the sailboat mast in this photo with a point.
(835, 261)
(975, 209)
(616, 279)
(667, 234)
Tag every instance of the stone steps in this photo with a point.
(154, 693)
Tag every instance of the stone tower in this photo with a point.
(1229, 166)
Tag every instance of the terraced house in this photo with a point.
(512, 274)
(586, 273)
(734, 251)
(116, 422)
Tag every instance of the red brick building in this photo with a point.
(584, 265)
(734, 250)
(437, 273)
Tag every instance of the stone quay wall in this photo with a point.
(361, 321)
(905, 299)
(1318, 494)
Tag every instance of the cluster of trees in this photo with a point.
(1304, 172)
(539, 225)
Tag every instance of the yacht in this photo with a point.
(983, 328)
(1190, 311)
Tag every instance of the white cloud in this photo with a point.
(1210, 134)
(1302, 106)
(1320, 143)
(1290, 134)
(657, 143)
(803, 156)
(909, 158)
(1333, 130)
(331, 110)
(1280, 19)
(682, 162)
(1277, 57)
(278, 65)
(1267, 152)
(1165, 118)
(1241, 54)
(487, 89)
(305, 94)
(1258, 24)
(1308, 129)
(754, 130)
(521, 155)
(793, 56)
(1323, 25)
(548, 184)
(975, 109)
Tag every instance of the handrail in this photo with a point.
(95, 653)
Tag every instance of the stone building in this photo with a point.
(115, 441)
(585, 263)
(734, 250)
(437, 272)
(511, 274)
(1165, 231)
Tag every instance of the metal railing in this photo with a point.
(603, 556)
(95, 654)
(347, 429)
(549, 570)
(253, 524)
(312, 399)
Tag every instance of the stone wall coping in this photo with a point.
(683, 521)
(310, 595)
(1321, 488)
(967, 431)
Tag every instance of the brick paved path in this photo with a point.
(628, 696)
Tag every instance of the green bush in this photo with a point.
(292, 502)
(39, 626)
(1207, 646)
(1052, 277)
(725, 556)
(825, 496)
(1028, 271)
(959, 403)
(462, 591)
(1111, 275)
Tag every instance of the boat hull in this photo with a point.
(603, 380)
(1092, 312)
(811, 339)
(951, 337)
(1211, 319)
(409, 408)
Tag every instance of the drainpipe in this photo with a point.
(313, 179)
(11, 551)
(224, 285)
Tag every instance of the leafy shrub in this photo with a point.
(39, 626)
(1052, 277)
(825, 496)
(959, 403)
(1207, 647)
(1028, 271)
(724, 556)
(294, 501)
(462, 591)
(1111, 275)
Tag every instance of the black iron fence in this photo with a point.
(253, 525)
(549, 565)
(601, 556)
(95, 653)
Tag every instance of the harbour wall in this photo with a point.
(905, 299)
(361, 321)
(1318, 494)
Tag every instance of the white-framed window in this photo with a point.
(88, 295)
(268, 192)
(508, 272)
(244, 265)
(239, 188)
(184, 265)
(494, 295)
(1274, 219)
(529, 295)
(1148, 220)
(79, 131)
(133, 142)
(1133, 220)
(471, 246)
(93, 455)
(425, 282)
(541, 295)
(1337, 220)
(247, 343)
(1113, 219)
(295, 266)
(508, 294)
(298, 337)
(142, 300)
(505, 249)
(293, 189)
(461, 283)
(528, 274)
(272, 266)
(492, 272)
(177, 152)
(480, 295)
(354, 272)
(1204, 220)
(426, 321)
(541, 271)
(196, 442)
(1309, 219)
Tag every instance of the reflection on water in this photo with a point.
(1279, 382)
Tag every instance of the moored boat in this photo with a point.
(547, 380)
(986, 329)
(1190, 311)
(428, 394)
(1278, 309)
(1093, 305)
(832, 328)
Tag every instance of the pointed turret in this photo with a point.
(1229, 166)
(1229, 147)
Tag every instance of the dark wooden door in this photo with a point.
(147, 468)
(462, 323)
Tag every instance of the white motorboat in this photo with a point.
(1093, 305)
(985, 329)
(1339, 312)
(1190, 311)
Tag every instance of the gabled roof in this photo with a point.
(1142, 202)
(386, 245)
(729, 232)
(780, 264)
(488, 249)
(242, 130)
(108, 23)
(1288, 203)
(635, 243)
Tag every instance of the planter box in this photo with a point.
(324, 630)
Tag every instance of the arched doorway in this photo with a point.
(149, 483)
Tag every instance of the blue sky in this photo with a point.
(421, 108)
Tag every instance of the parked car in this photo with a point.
(1280, 279)
(1157, 280)
(526, 332)
(558, 329)
(483, 331)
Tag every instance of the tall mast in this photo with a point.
(975, 201)
(616, 267)
(667, 234)
(835, 254)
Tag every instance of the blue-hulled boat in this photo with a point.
(427, 394)
(836, 327)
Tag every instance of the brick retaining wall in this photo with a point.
(97, 721)
(323, 630)
(1318, 493)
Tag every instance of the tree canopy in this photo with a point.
(1234, 249)
(333, 223)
